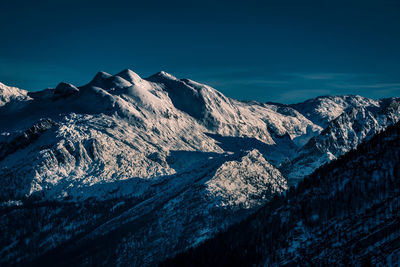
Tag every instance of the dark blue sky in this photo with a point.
(284, 51)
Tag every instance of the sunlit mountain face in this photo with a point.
(144, 162)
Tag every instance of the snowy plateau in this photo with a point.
(130, 171)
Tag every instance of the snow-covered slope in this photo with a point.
(150, 219)
(151, 150)
(323, 109)
(353, 126)
(132, 139)
(8, 94)
(229, 117)
(122, 126)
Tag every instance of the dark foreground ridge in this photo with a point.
(345, 213)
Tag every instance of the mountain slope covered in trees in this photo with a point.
(345, 213)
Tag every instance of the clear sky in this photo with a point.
(284, 51)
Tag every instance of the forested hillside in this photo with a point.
(345, 213)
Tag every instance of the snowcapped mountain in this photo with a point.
(146, 162)
(123, 126)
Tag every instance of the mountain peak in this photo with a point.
(64, 90)
(102, 74)
(100, 77)
(108, 81)
(161, 76)
(130, 76)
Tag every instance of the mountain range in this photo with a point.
(131, 171)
